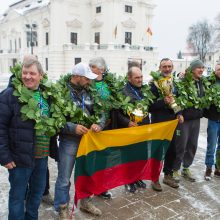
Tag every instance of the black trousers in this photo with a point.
(170, 157)
(46, 191)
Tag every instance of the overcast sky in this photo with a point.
(173, 18)
(171, 21)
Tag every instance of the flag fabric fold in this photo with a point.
(113, 158)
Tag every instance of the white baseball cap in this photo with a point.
(83, 69)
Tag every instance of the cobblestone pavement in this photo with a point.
(199, 200)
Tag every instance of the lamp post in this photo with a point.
(31, 27)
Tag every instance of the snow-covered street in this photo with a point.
(199, 200)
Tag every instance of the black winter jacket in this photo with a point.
(159, 110)
(17, 137)
(122, 119)
(193, 113)
(212, 112)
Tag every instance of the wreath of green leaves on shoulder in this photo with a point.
(146, 101)
(213, 92)
(116, 98)
(188, 94)
(65, 107)
(62, 108)
(156, 75)
(30, 109)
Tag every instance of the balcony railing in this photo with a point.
(109, 46)
(87, 46)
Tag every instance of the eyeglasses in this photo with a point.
(166, 66)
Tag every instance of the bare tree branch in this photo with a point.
(217, 31)
(200, 38)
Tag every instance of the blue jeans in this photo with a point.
(213, 142)
(67, 155)
(20, 178)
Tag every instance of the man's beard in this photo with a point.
(166, 74)
(82, 86)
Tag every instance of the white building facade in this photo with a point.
(63, 33)
(211, 59)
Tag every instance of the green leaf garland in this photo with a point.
(30, 109)
(213, 92)
(188, 94)
(63, 109)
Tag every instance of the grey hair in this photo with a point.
(98, 62)
(29, 62)
(131, 70)
(165, 59)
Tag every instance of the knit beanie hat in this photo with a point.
(196, 63)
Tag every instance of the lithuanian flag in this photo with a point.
(112, 158)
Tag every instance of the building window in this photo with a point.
(97, 37)
(15, 45)
(78, 60)
(210, 58)
(46, 64)
(73, 38)
(14, 62)
(35, 42)
(47, 38)
(128, 37)
(134, 62)
(10, 45)
(98, 9)
(31, 38)
(19, 42)
(128, 8)
(28, 33)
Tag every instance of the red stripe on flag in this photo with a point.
(122, 174)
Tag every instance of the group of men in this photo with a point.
(25, 154)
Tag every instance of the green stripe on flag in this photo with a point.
(112, 156)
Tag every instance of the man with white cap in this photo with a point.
(70, 137)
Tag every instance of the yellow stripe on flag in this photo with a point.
(122, 137)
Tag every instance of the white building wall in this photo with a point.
(59, 18)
